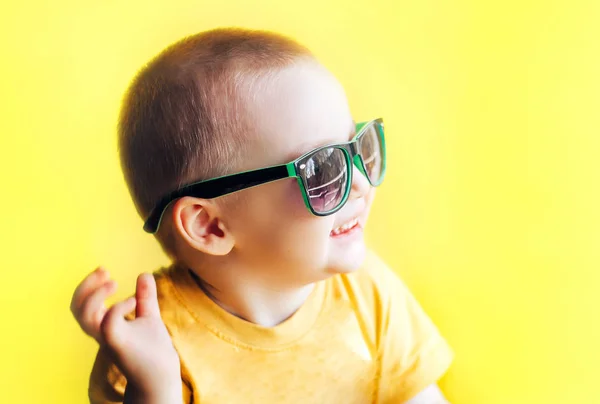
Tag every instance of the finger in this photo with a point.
(93, 309)
(90, 283)
(112, 327)
(145, 294)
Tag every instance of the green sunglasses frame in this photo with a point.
(220, 186)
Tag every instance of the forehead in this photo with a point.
(297, 109)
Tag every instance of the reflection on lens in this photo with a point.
(371, 150)
(326, 176)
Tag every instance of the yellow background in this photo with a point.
(490, 210)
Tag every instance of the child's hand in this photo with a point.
(142, 348)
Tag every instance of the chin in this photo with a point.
(347, 249)
(347, 260)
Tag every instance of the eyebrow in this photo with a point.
(352, 129)
(306, 147)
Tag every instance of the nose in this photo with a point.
(360, 184)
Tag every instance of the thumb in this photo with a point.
(145, 294)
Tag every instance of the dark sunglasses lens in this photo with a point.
(372, 152)
(325, 176)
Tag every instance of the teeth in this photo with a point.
(345, 227)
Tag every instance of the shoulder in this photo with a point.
(411, 351)
(173, 310)
(168, 300)
(373, 293)
(384, 304)
(107, 383)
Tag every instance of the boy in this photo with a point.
(240, 153)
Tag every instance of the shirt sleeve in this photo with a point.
(107, 383)
(412, 353)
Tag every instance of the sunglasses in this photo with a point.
(324, 175)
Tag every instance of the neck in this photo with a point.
(259, 302)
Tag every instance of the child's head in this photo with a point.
(229, 101)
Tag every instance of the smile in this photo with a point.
(345, 228)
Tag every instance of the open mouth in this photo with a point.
(345, 228)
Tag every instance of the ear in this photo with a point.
(199, 223)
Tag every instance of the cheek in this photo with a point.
(369, 201)
(277, 222)
(292, 198)
(296, 224)
(370, 197)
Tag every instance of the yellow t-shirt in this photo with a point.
(359, 338)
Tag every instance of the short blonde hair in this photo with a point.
(181, 114)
